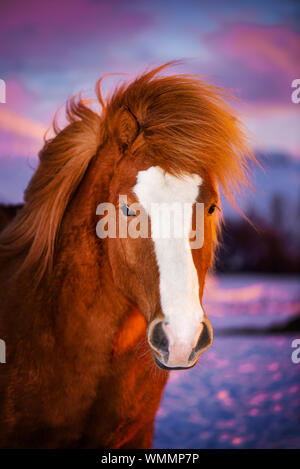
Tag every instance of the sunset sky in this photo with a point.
(52, 49)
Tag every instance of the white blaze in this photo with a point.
(179, 287)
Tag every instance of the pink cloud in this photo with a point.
(12, 122)
(88, 16)
(19, 135)
(18, 97)
(265, 49)
(275, 127)
(258, 63)
(47, 31)
(17, 146)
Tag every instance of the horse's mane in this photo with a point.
(185, 126)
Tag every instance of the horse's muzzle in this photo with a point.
(172, 354)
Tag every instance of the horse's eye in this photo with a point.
(212, 209)
(127, 212)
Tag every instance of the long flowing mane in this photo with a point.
(185, 125)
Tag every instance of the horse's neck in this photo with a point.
(78, 299)
(79, 305)
(87, 298)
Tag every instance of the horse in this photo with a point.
(93, 326)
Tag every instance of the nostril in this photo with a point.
(204, 339)
(159, 339)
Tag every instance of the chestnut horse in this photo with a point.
(92, 326)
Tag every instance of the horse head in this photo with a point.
(160, 270)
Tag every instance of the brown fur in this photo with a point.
(74, 308)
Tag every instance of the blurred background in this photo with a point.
(245, 392)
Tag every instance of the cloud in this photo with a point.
(20, 136)
(259, 60)
(12, 122)
(44, 33)
(275, 127)
(262, 48)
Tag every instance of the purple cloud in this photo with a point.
(48, 32)
(261, 61)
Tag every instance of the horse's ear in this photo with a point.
(126, 127)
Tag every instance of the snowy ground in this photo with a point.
(245, 391)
